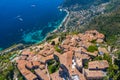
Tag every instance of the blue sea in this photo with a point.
(28, 21)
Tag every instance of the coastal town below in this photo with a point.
(81, 40)
(73, 57)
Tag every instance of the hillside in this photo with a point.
(109, 24)
(58, 42)
(82, 3)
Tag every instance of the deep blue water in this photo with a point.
(28, 21)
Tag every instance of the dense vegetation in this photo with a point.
(114, 4)
(7, 68)
(113, 70)
(108, 24)
(53, 66)
(92, 48)
(57, 48)
(82, 3)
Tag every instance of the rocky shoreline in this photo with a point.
(19, 46)
(63, 27)
(64, 20)
(22, 46)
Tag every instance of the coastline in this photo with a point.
(53, 31)
(57, 28)
(1, 49)
(64, 20)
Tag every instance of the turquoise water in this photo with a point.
(28, 21)
(1, 49)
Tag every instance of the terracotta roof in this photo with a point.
(65, 47)
(41, 74)
(94, 74)
(56, 40)
(101, 36)
(24, 71)
(104, 50)
(57, 53)
(73, 43)
(42, 66)
(26, 52)
(47, 51)
(23, 57)
(75, 37)
(79, 62)
(80, 49)
(103, 64)
(91, 32)
(37, 57)
(68, 37)
(80, 35)
(36, 63)
(31, 76)
(29, 65)
(55, 76)
(66, 42)
(76, 72)
(82, 56)
(92, 53)
(66, 59)
(72, 48)
(22, 62)
(86, 44)
(44, 59)
(99, 40)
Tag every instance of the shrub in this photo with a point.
(92, 48)
(58, 49)
(53, 66)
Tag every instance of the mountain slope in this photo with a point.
(82, 3)
(109, 24)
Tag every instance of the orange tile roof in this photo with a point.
(76, 72)
(66, 42)
(36, 63)
(44, 59)
(98, 64)
(26, 52)
(41, 74)
(104, 50)
(65, 47)
(68, 37)
(73, 43)
(29, 65)
(55, 76)
(86, 44)
(42, 66)
(101, 36)
(31, 76)
(92, 53)
(24, 71)
(99, 40)
(94, 74)
(82, 56)
(66, 59)
(80, 35)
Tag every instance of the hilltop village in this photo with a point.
(71, 58)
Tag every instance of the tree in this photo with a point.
(92, 48)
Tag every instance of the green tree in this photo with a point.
(92, 48)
